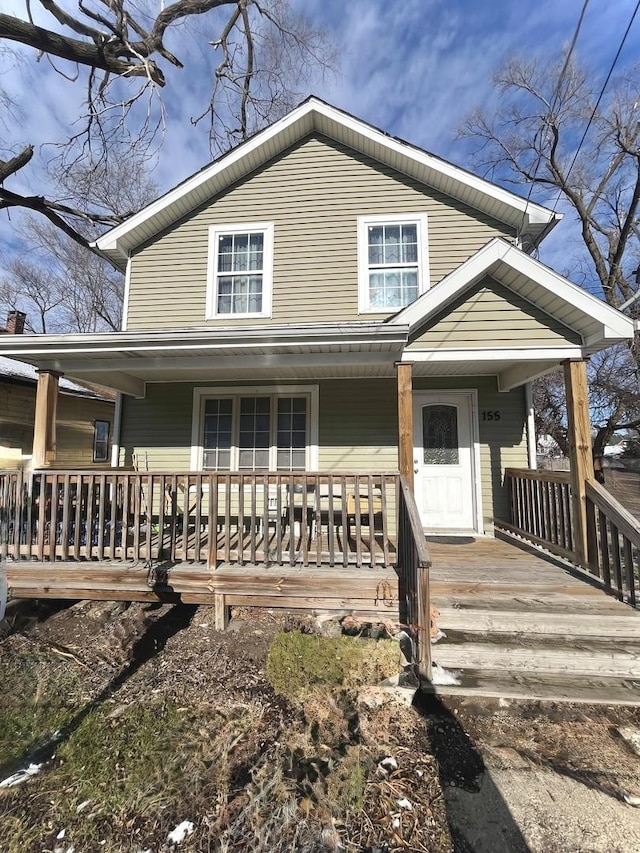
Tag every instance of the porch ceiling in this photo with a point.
(126, 361)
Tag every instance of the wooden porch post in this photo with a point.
(405, 420)
(44, 430)
(580, 454)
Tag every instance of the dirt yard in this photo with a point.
(146, 731)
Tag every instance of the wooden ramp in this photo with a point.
(522, 625)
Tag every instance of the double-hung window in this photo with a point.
(393, 267)
(240, 271)
(255, 430)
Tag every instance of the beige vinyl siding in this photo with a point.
(357, 429)
(491, 314)
(74, 424)
(17, 414)
(158, 428)
(313, 193)
(74, 436)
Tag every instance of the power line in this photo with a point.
(554, 99)
(600, 96)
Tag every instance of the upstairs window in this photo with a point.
(392, 261)
(240, 271)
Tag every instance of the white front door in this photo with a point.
(444, 460)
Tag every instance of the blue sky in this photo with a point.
(412, 67)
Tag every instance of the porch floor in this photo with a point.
(520, 624)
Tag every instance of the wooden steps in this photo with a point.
(557, 638)
(549, 687)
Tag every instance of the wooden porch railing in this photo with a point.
(542, 513)
(613, 536)
(541, 508)
(413, 567)
(263, 518)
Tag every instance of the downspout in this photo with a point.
(117, 415)
(532, 451)
(115, 444)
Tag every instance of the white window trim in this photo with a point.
(267, 268)
(419, 219)
(202, 394)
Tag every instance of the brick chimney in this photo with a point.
(15, 323)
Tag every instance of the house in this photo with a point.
(84, 416)
(326, 297)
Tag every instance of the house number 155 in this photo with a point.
(491, 415)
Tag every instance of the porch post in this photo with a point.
(405, 420)
(580, 455)
(44, 430)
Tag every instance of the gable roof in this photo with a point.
(597, 323)
(531, 221)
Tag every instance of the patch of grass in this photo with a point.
(34, 706)
(142, 767)
(346, 785)
(298, 662)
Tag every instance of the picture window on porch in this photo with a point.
(257, 432)
(392, 261)
(240, 271)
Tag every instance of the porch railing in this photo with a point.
(542, 513)
(540, 503)
(265, 518)
(413, 567)
(613, 537)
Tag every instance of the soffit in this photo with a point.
(316, 116)
(598, 324)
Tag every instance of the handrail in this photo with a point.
(542, 513)
(414, 562)
(537, 474)
(541, 510)
(626, 523)
(613, 537)
(295, 518)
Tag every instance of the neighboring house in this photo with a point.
(283, 305)
(84, 416)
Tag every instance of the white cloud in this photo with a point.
(413, 68)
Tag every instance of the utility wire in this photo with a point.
(600, 96)
(554, 100)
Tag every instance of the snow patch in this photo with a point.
(178, 835)
(21, 776)
(442, 676)
(405, 804)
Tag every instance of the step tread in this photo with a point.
(509, 684)
(514, 622)
(589, 659)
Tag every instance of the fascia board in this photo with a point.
(197, 339)
(110, 241)
(615, 326)
(612, 320)
(451, 286)
(534, 214)
(119, 241)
